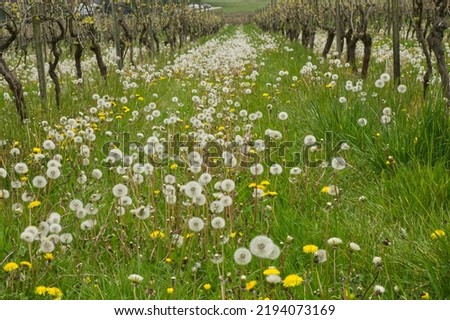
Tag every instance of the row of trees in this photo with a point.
(53, 26)
(347, 22)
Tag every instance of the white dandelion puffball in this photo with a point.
(275, 252)
(338, 163)
(377, 261)
(216, 206)
(401, 88)
(192, 189)
(334, 241)
(242, 256)
(354, 247)
(135, 278)
(218, 223)
(3, 173)
(261, 246)
(196, 224)
(53, 173)
(227, 185)
(273, 278)
(66, 238)
(362, 122)
(310, 140)
(283, 116)
(320, 256)
(379, 83)
(256, 169)
(377, 289)
(21, 168)
(75, 205)
(385, 119)
(120, 190)
(342, 100)
(47, 246)
(276, 169)
(385, 77)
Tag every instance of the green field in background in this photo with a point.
(238, 6)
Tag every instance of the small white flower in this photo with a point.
(283, 116)
(401, 88)
(377, 261)
(310, 140)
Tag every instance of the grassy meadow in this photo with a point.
(244, 167)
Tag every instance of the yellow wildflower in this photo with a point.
(310, 248)
(170, 290)
(425, 296)
(232, 235)
(26, 264)
(40, 290)
(271, 270)
(252, 185)
(10, 266)
(325, 189)
(34, 204)
(173, 166)
(292, 280)
(125, 109)
(37, 150)
(250, 285)
(207, 286)
(271, 193)
(24, 179)
(437, 234)
(55, 292)
(168, 260)
(141, 99)
(265, 183)
(49, 256)
(157, 234)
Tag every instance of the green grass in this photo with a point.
(238, 6)
(389, 208)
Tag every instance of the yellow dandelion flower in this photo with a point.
(24, 179)
(325, 189)
(252, 185)
(310, 248)
(425, 296)
(34, 204)
(125, 109)
(250, 285)
(261, 187)
(157, 192)
(168, 260)
(26, 264)
(157, 234)
(173, 166)
(271, 193)
(437, 234)
(170, 290)
(187, 126)
(141, 99)
(10, 266)
(207, 286)
(40, 290)
(49, 256)
(37, 150)
(292, 280)
(55, 292)
(265, 183)
(271, 270)
(233, 235)
(119, 117)
(189, 235)
(221, 128)
(265, 94)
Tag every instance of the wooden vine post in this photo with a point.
(39, 50)
(116, 35)
(396, 39)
